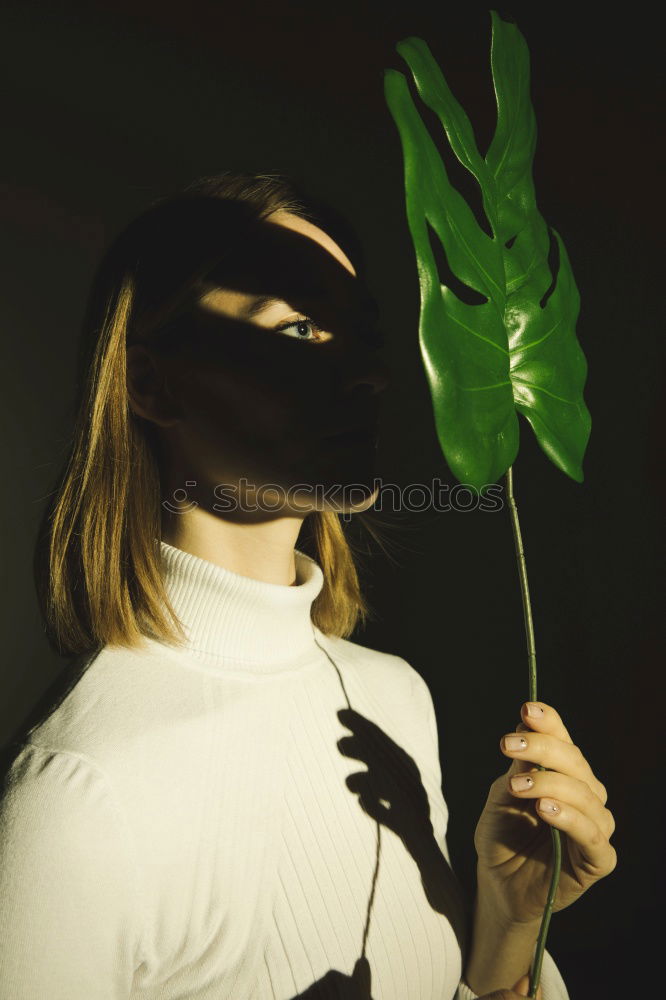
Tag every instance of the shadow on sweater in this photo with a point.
(337, 986)
(391, 793)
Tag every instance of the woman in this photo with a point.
(233, 799)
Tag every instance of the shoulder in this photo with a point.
(386, 674)
(68, 874)
(57, 801)
(105, 717)
(39, 775)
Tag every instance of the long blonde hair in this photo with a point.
(97, 561)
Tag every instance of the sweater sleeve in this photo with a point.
(552, 984)
(70, 914)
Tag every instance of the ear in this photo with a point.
(148, 390)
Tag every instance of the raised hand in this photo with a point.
(512, 841)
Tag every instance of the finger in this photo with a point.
(598, 855)
(522, 988)
(570, 791)
(550, 752)
(545, 719)
(597, 786)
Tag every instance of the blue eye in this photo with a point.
(299, 323)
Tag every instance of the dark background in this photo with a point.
(106, 106)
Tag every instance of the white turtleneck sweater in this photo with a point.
(181, 827)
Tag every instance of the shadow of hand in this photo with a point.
(337, 984)
(390, 791)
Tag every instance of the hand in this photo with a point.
(512, 839)
(520, 989)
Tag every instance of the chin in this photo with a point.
(341, 481)
(353, 494)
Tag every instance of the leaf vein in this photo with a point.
(479, 388)
(540, 388)
(535, 343)
(511, 135)
(476, 334)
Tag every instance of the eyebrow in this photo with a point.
(367, 304)
(260, 303)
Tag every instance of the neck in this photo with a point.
(261, 550)
(234, 621)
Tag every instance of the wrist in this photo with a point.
(491, 904)
(501, 949)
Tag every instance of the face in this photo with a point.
(275, 363)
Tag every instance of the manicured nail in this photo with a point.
(547, 805)
(515, 743)
(534, 711)
(521, 782)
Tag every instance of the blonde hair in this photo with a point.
(97, 561)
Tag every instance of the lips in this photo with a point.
(358, 434)
(363, 427)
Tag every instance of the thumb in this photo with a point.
(522, 988)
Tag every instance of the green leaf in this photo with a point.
(486, 363)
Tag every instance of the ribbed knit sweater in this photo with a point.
(257, 815)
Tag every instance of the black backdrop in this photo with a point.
(108, 105)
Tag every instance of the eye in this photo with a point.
(300, 326)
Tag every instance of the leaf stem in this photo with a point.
(535, 971)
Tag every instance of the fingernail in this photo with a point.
(534, 711)
(515, 743)
(521, 782)
(547, 805)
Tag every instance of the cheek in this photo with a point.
(238, 427)
(238, 407)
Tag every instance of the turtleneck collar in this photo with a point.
(231, 618)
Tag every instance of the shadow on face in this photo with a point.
(277, 351)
